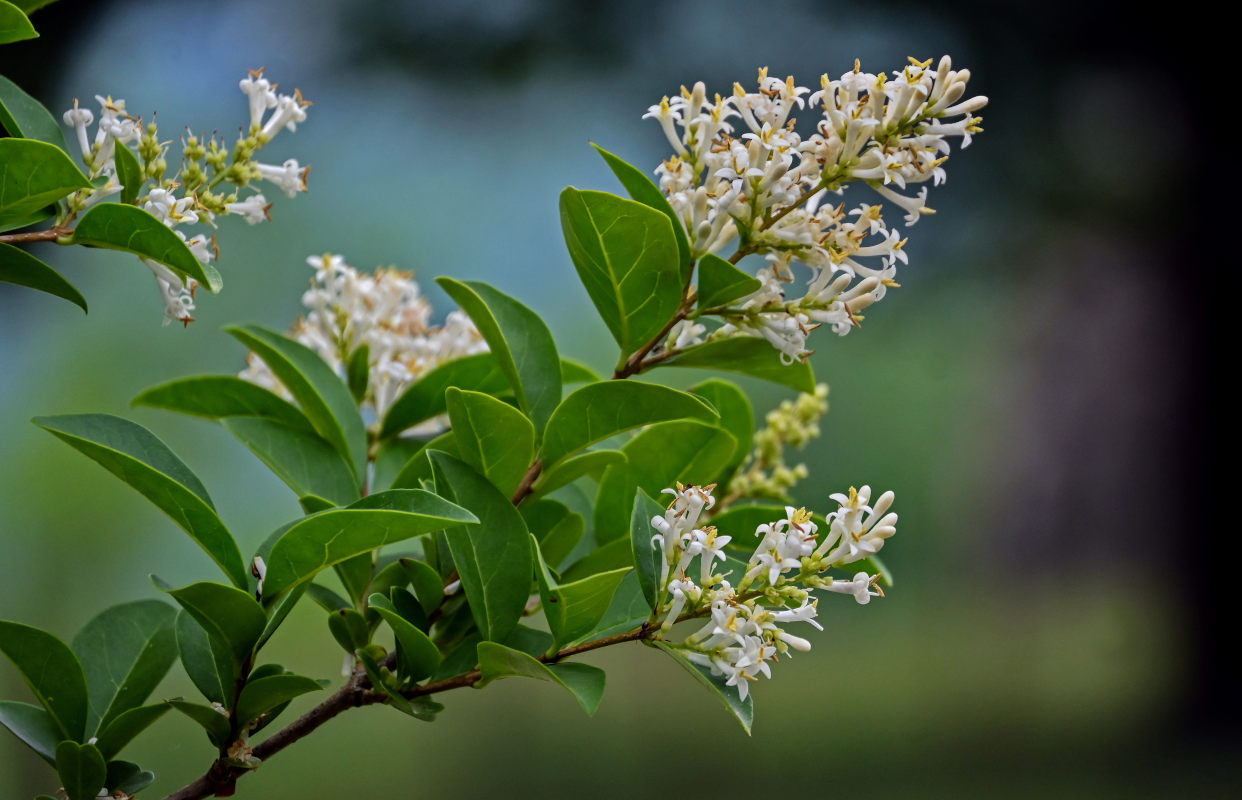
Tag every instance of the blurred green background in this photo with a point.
(1024, 392)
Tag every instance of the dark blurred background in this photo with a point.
(1037, 393)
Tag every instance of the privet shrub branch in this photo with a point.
(475, 506)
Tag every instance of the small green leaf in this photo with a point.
(493, 557)
(230, 616)
(125, 652)
(737, 416)
(584, 682)
(573, 609)
(207, 661)
(122, 729)
(573, 372)
(417, 656)
(82, 770)
(628, 610)
(33, 725)
(306, 462)
(138, 457)
(26, 118)
(427, 583)
(418, 468)
(323, 397)
(627, 258)
(605, 558)
(325, 598)
(574, 467)
(220, 396)
(742, 710)
(746, 355)
(520, 342)
(492, 436)
(129, 173)
(720, 283)
(215, 723)
(349, 628)
(120, 227)
(127, 777)
(647, 557)
(556, 527)
(600, 410)
(262, 695)
(20, 268)
(641, 188)
(333, 536)
(52, 672)
(358, 373)
(34, 174)
(425, 398)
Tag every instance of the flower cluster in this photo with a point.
(745, 629)
(383, 312)
(794, 423)
(773, 191)
(211, 182)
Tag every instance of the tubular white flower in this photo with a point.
(254, 209)
(862, 587)
(289, 177)
(78, 119)
(260, 93)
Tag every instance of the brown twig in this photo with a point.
(49, 235)
(528, 481)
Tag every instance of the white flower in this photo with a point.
(854, 535)
(168, 209)
(289, 177)
(259, 569)
(290, 110)
(862, 587)
(178, 295)
(261, 95)
(254, 209)
(78, 119)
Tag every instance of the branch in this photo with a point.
(49, 235)
(528, 482)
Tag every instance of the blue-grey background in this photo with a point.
(1033, 392)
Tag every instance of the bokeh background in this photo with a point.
(1036, 393)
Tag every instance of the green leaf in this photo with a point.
(215, 723)
(627, 611)
(120, 227)
(323, 397)
(742, 710)
(720, 283)
(349, 628)
(613, 555)
(220, 396)
(33, 725)
(128, 173)
(125, 726)
(47, 212)
(82, 770)
(30, 6)
(573, 609)
(647, 557)
(418, 468)
(325, 598)
(208, 662)
(230, 616)
(306, 462)
(427, 583)
(492, 436)
(493, 557)
(332, 536)
(136, 456)
(584, 682)
(520, 342)
(20, 268)
(600, 410)
(127, 777)
(641, 188)
(358, 372)
(746, 355)
(52, 672)
(627, 258)
(574, 467)
(125, 652)
(573, 372)
(425, 398)
(14, 26)
(737, 416)
(556, 527)
(263, 695)
(26, 118)
(656, 459)
(34, 174)
(417, 656)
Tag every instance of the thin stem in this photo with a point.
(528, 482)
(49, 235)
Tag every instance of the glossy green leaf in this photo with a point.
(628, 611)
(262, 695)
(648, 558)
(220, 396)
(417, 656)
(556, 528)
(425, 398)
(745, 355)
(215, 723)
(20, 268)
(573, 372)
(493, 557)
(138, 457)
(128, 172)
(33, 726)
(519, 341)
(605, 558)
(600, 410)
(332, 536)
(82, 770)
(26, 118)
(122, 729)
(52, 672)
(325, 400)
(626, 256)
(358, 372)
(418, 468)
(641, 188)
(427, 584)
(325, 598)
(207, 661)
(575, 608)
(349, 628)
(125, 652)
(657, 458)
(720, 283)
(492, 436)
(34, 174)
(737, 416)
(229, 615)
(306, 462)
(127, 777)
(120, 227)
(584, 682)
(574, 467)
(47, 212)
(742, 710)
